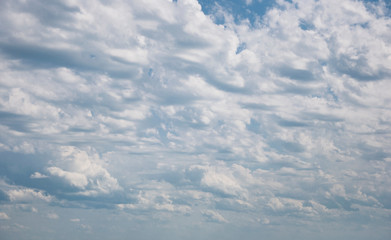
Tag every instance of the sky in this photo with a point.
(186, 119)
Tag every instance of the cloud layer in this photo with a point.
(176, 115)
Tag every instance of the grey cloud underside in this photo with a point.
(36, 56)
(153, 113)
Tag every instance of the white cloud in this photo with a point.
(265, 221)
(84, 172)
(220, 180)
(27, 208)
(286, 204)
(28, 195)
(38, 175)
(3, 216)
(76, 179)
(152, 108)
(213, 216)
(155, 197)
(52, 216)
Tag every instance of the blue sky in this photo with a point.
(162, 119)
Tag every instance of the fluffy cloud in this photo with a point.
(28, 195)
(3, 216)
(52, 216)
(83, 172)
(38, 175)
(157, 110)
(214, 216)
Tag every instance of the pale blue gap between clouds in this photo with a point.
(151, 119)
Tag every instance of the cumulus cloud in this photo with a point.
(214, 216)
(27, 208)
(176, 110)
(83, 172)
(219, 180)
(3, 216)
(154, 201)
(38, 175)
(52, 216)
(24, 195)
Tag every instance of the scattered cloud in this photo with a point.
(27, 208)
(3, 216)
(52, 216)
(83, 172)
(37, 175)
(213, 216)
(28, 195)
(252, 114)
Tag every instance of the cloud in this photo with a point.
(4, 196)
(75, 179)
(83, 172)
(219, 182)
(25, 195)
(288, 205)
(171, 113)
(153, 197)
(27, 208)
(37, 175)
(52, 216)
(213, 216)
(248, 2)
(3, 216)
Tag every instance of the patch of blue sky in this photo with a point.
(251, 10)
